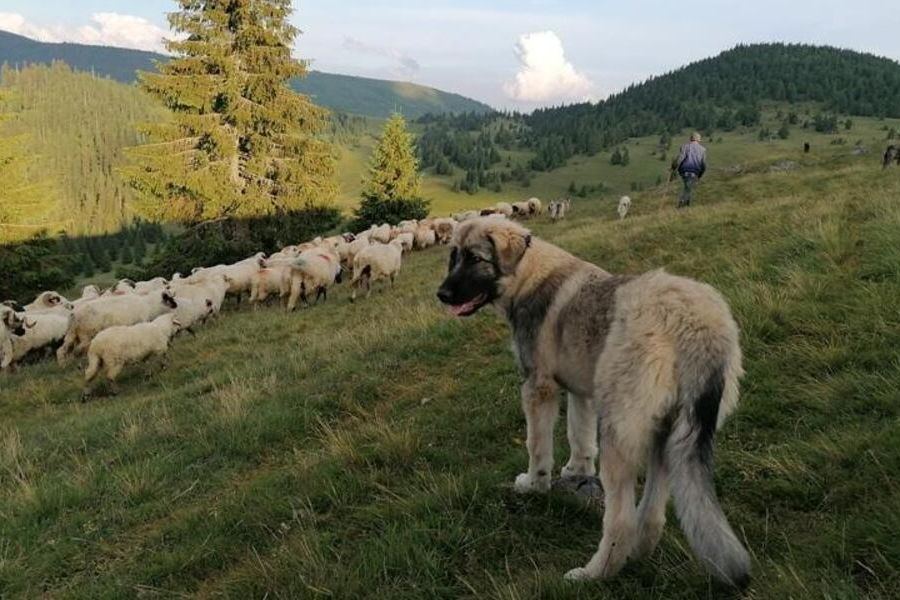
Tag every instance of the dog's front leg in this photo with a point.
(540, 402)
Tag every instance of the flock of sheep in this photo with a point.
(132, 321)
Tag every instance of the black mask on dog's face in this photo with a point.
(471, 280)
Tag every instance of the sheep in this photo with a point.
(43, 330)
(443, 229)
(145, 287)
(88, 293)
(504, 208)
(465, 216)
(378, 261)
(123, 286)
(117, 346)
(240, 274)
(382, 233)
(49, 301)
(93, 317)
(521, 209)
(272, 278)
(12, 325)
(425, 237)
(406, 240)
(624, 205)
(558, 209)
(534, 206)
(211, 286)
(194, 311)
(409, 226)
(313, 270)
(352, 249)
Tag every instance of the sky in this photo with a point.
(511, 54)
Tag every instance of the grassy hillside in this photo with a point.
(360, 95)
(366, 450)
(728, 152)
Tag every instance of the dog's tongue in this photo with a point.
(462, 309)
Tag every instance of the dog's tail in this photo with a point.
(689, 454)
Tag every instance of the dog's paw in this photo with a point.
(584, 469)
(579, 574)
(526, 484)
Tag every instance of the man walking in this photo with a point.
(691, 165)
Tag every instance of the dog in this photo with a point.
(624, 206)
(653, 359)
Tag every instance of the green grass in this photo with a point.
(366, 451)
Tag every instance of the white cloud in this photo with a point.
(405, 64)
(105, 29)
(544, 73)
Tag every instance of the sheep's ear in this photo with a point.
(54, 299)
(29, 325)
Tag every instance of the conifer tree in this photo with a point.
(240, 142)
(392, 188)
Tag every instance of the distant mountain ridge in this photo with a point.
(359, 95)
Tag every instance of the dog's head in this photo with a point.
(484, 255)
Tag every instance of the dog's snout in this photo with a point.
(444, 295)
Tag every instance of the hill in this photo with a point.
(360, 95)
(722, 92)
(379, 98)
(339, 451)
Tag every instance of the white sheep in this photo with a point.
(624, 206)
(93, 317)
(352, 249)
(504, 208)
(381, 233)
(273, 278)
(466, 215)
(12, 325)
(315, 270)
(123, 286)
(88, 293)
(43, 330)
(117, 346)
(534, 206)
(407, 240)
(208, 286)
(378, 261)
(558, 209)
(49, 301)
(145, 287)
(425, 237)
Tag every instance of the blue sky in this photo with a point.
(510, 54)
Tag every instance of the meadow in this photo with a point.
(366, 450)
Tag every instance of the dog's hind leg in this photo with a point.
(581, 420)
(618, 474)
(540, 402)
(652, 509)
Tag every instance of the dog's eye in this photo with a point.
(473, 258)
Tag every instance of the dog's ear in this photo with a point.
(511, 245)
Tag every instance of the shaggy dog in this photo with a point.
(653, 358)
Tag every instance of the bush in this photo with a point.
(31, 266)
(230, 240)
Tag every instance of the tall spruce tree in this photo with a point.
(240, 142)
(392, 187)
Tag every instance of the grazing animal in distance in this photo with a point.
(891, 155)
(624, 207)
(652, 359)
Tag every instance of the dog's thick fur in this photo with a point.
(654, 358)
